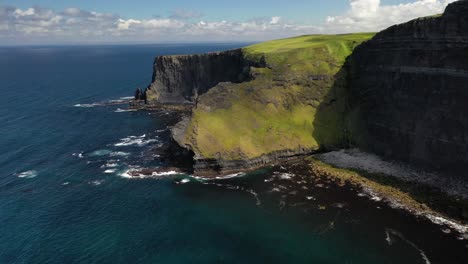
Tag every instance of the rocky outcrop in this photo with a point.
(409, 91)
(182, 78)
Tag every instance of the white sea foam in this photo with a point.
(389, 232)
(127, 98)
(110, 171)
(119, 110)
(100, 152)
(110, 165)
(96, 182)
(119, 154)
(130, 174)
(117, 101)
(166, 173)
(229, 176)
(134, 141)
(85, 105)
(185, 181)
(27, 174)
(79, 155)
(286, 176)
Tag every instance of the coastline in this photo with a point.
(415, 197)
(422, 194)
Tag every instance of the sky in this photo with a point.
(29, 22)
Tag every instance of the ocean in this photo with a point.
(65, 196)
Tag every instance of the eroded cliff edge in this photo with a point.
(409, 91)
(180, 79)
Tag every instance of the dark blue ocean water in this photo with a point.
(63, 198)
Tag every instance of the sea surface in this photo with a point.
(66, 196)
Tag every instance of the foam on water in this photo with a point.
(134, 141)
(119, 154)
(120, 110)
(96, 182)
(27, 174)
(129, 175)
(110, 171)
(79, 155)
(86, 105)
(110, 165)
(185, 181)
(100, 152)
(225, 177)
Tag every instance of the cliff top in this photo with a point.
(278, 109)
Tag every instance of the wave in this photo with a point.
(134, 141)
(390, 232)
(110, 165)
(100, 152)
(127, 98)
(119, 110)
(225, 177)
(27, 174)
(79, 155)
(110, 171)
(183, 181)
(119, 154)
(96, 182)
(86, 105)
(132, 174)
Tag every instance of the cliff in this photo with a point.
(402, 94)
(292, 104)
(182, 78)
(409, 91)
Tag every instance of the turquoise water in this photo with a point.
(64, 197)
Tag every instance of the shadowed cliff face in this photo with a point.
(409, 90)
(182, 78)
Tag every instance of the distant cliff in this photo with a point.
(182, 78)
(409, 91)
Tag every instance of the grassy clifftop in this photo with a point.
(291, 104)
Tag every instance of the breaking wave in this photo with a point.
(134, 141)
(86, 105)
(27, 174)
(120, 110)
(100, 152)
(131, 174)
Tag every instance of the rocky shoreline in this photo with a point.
(443, 208)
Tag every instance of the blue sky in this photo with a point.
(300, 10)
(151, 21)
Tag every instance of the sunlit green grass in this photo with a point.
(281, 108)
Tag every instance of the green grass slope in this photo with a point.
(293, 103)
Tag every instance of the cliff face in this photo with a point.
(291, 105)
(409, 91)
(182, 78)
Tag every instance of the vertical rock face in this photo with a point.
(181, 79)
(409, 90)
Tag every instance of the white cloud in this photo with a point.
(125, 24)
(27, 12)
(275, 20)
(370, 15)
(40, 25)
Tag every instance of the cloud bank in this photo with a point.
(38, 25)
